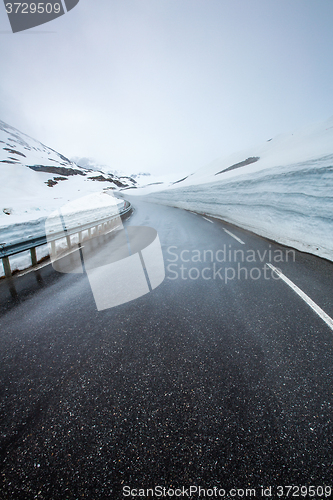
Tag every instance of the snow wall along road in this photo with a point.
(292, 204)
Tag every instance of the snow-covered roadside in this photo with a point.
(291, 205)
(87, 209)
(282, 190)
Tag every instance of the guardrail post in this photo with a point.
(6, 267)
(68, 239)
(33, 256)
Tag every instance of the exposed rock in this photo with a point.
(101, 178)
(248, 161)
(56, 170)
(50, 183)
(12, 151)
(180, 180)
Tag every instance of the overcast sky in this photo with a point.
(168, 85)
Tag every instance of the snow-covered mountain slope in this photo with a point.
(91, 164)
(282, 190)
(35, 179)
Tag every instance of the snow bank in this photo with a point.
(286, 195)
(85, 210)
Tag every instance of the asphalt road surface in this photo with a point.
(219, 377)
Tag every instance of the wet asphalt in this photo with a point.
(199, 382)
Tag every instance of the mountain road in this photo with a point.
(220, 377)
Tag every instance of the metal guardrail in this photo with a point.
(32, 243)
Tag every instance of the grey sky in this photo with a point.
(168, 85)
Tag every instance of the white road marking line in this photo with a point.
(236, 238)
(328, 320)
(193, 213)
(208, 220)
